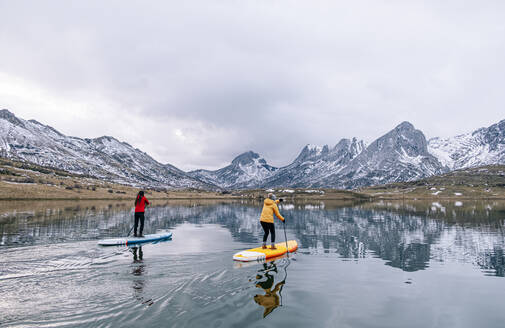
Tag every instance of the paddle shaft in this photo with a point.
(285, 238)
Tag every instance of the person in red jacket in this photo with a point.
(140, 206)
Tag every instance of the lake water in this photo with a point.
(361, 265)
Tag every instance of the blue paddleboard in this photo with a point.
(135, 240)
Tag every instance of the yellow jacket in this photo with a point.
(269, 208)
(270, 300)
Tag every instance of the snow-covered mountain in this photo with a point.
(399, 155)
(103, 157)
(247, 170)
(484, 146)
(403, 154)
(315, 163)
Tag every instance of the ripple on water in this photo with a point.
(356, 266)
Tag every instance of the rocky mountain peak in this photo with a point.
(246, 158)
(495, 135)
(403, 137)
(404, 126)
(353, 146)
(311, 152)
(105, 139)
(245, 171)
(342, 144)
(10, 117)
(50, 128)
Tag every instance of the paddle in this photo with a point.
(129, 232)
(285, 238)
(285, 277)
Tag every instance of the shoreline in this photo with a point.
(21, 181)
(367, 198)
(37, 192)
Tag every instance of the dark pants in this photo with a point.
(268, 228)
(138, 216)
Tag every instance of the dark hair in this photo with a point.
(139, 197)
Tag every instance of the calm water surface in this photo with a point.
(365, 265)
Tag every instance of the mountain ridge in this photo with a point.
(103, 157)
(402, 154)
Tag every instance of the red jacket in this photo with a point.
(141, 206)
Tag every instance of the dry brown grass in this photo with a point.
(23, 181)
(475, 183)
(28, 181)
(20, 181)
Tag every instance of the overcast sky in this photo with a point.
(195, 83)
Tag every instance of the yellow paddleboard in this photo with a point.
(259, 253)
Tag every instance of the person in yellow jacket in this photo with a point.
(267, 218)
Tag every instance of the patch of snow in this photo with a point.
(405, 158)
(287, 206)
(436, 193)
(433, 188)
(458, 194)
(458, 203)
(311, 191)
(290, 191)
(316, 148)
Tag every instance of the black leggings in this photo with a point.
(139, 216)
(268, 228)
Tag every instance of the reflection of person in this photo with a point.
(267, 218)
(138, 271)
(270, 300)
(140, 206)
(137, 257)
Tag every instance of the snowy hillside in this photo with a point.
(399, 155)
(247, 170)
(103, 157)
(402, 154)
(484, 146)
(315, 163)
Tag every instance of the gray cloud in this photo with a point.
(194, 83)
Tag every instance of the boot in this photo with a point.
(264, 246)
(273, 246)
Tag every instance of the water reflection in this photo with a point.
(493, 262)
(138, 271)
(407, 236)
(265, 280)
(409, 257)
